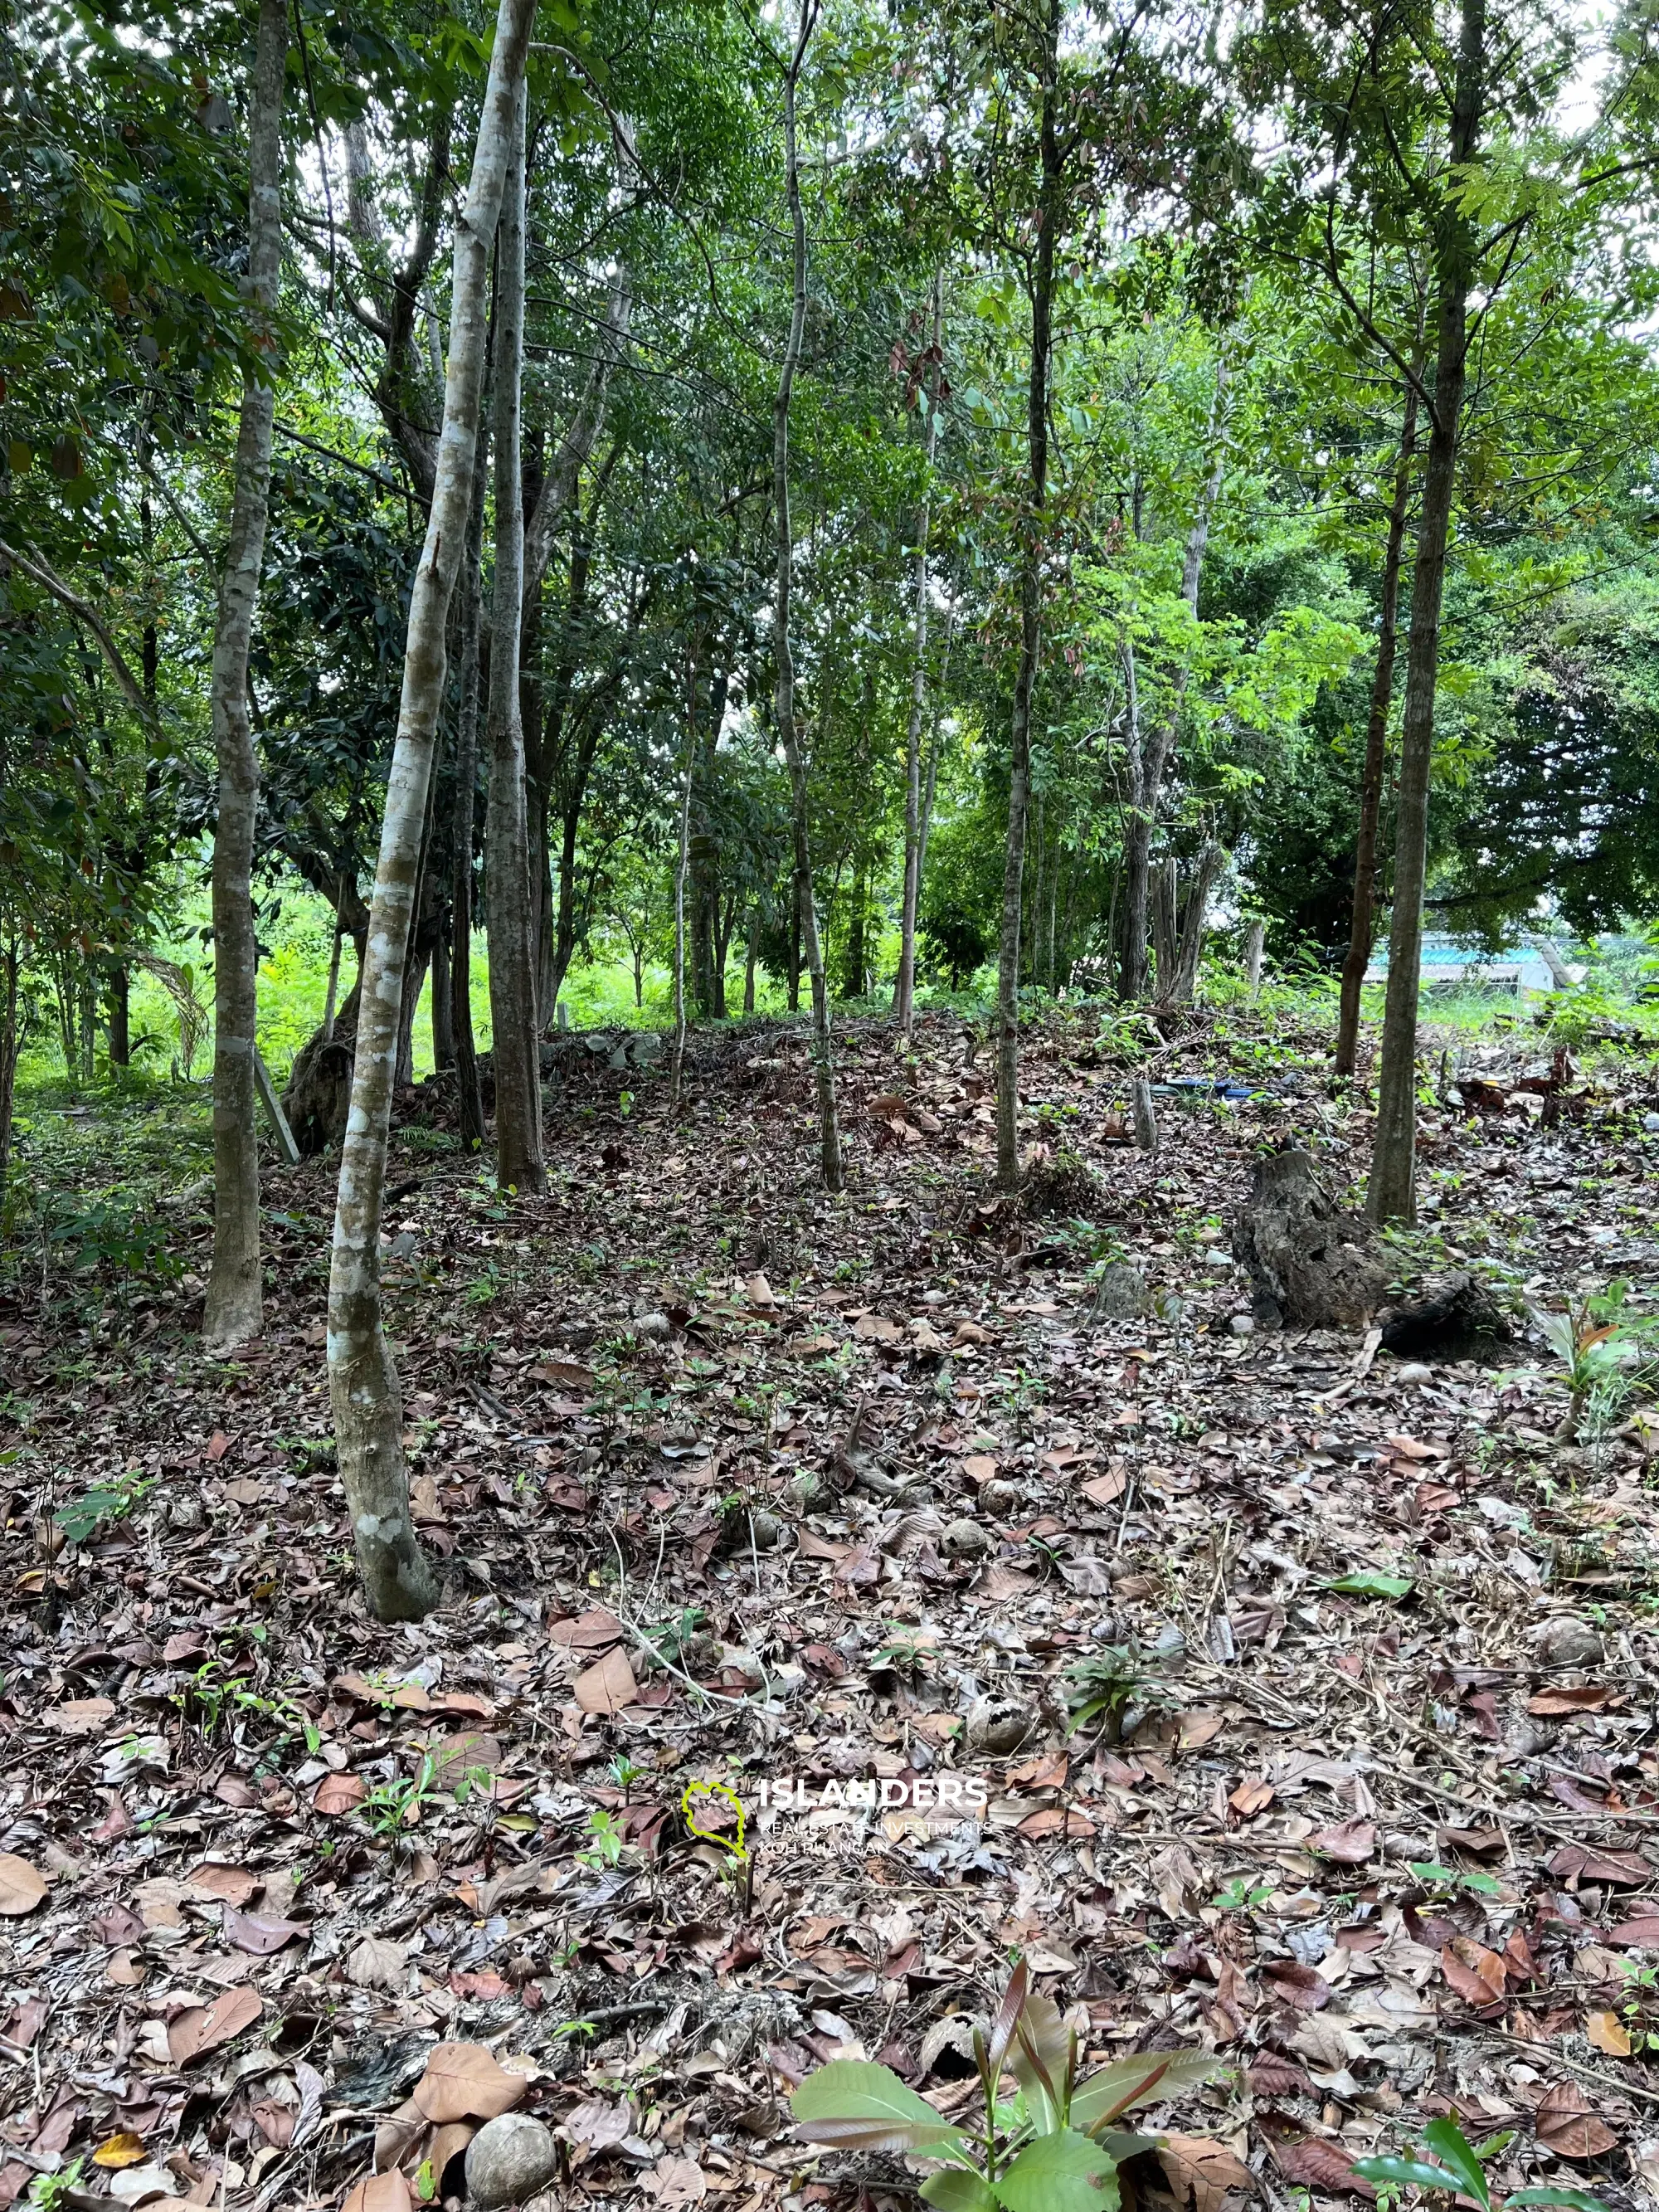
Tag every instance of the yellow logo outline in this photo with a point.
(713, 1835)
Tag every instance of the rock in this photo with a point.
(186, 1512)
(966, 1540)
(998, 1497)
(765, 1531)
(655, 1328)
(997, 1726)
(1316, 1263)
(1564, 1640)
(1650, 1124)
(1242, 1324)
(646, 1046)
(1413, 1373)
(807, 1491)
(509, 2160)
(1120, 1293)
(1223, 1262)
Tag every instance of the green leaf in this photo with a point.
(1147, 2078)
(1368, 1582)
(955, 2191)
(1413, 2170)
(854, 2104)
(1453, 2148)
(1580, 2200)
(1061, 2172)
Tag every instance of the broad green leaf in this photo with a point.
(955, 2191)
(1146, 2078)
(1453, 2148)
(1367, 1582)
(1059, 2172)
(1579, 2200)
(1043, 2046)
(1413, 2170)
(854, 2104)
(1008, 2013)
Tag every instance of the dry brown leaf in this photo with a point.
(1251, 1798)
(1566, 2123)
(381, 2192)
(259, 1936)
(1476, 1973)
(340, 1793)
(449, 2142)
(80, 1716)
(1104, 1489)
(1200, 1727)
(1563, 1698)
(235, 1885)
(376, 1963)
(1580, 1862)
(204, 2027)
(20, 1887)
(587, 1632)
(675, 2182)
(979, 1467)
(1607, 2032)
(1350, 1842)
(608, 1686)
(1201, 2171)
(462, 2082)
(119, 2150)
(1319, 2165)
(599, 2126)
(1641, 1933)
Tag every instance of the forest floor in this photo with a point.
(733, 1483)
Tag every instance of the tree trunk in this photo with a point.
(234, 1306)
(414, 984)
(904, 991)
(1363, 927)
(1030, 610)
(120, 1016)
(443, 1004)
(1164, 907)
(1256, 938)
(1150, 764)
(751, 955)
(363, 1382)
(682, 861)
(1189, 946)
(470, 1103)
(1392, 1192)
(794, 942)
(11, 1041)
(783, 655)
(510, 908)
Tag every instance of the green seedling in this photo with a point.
(1446, 2163)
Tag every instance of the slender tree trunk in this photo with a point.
(1150, 764)
(443, 1004)
(363, 1382)
(904, 991)
(514, 1050)
(1392, 1193)
(1362, 928)
(783, 653)
(682, 863)
(1190, 945)
(414, 984)
(751, 957)
(794, 942)
(11, 1041)
(120, 1016)
(470, 1102)
(234, 1307)
(1030, 610)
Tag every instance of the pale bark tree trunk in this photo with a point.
(510, 908)
(363, 1382)
(1189, 945)
(682, 861)
(1256, 941)
(10, 1041)
(1149, 764)
(1363, 927)
(470, 1102)
(1030, 610)
(1391, 1193)
(783, 656)
(234, 1306)
(904, 991)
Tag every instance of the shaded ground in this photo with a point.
(732, 1483)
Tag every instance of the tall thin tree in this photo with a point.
(1033, 517)
(1391, 1193)
(464, 821)
(363, 1384)
(905, 990)
(510, 908)
(783, 656)
(234, 1302)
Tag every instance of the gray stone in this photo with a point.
(1120, 1293)
(765, 1531)
(1242, 1324)
(805, 1490)
(646, 1045)
(998, 1497)
(997, 1726)
(509, 2160)
(1413, 1373)
(1564, 1640)
(655, 1327)
(966, 1540)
